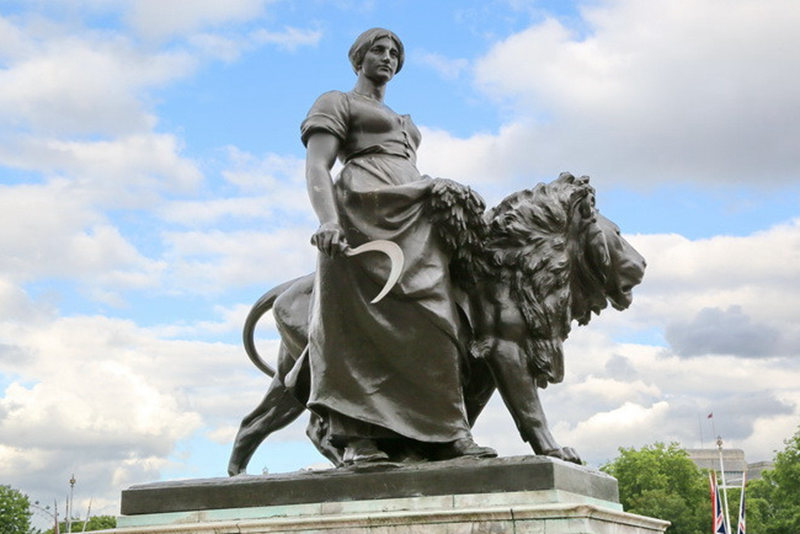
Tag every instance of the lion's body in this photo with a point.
(548, 258)
(553, 259)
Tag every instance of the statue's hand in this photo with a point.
(329, 239)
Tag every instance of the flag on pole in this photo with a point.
(709, 416)
(741, 528)
(718, 518)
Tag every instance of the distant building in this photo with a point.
(734, 462)
(755, 469)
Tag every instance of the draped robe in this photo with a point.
(391, 368)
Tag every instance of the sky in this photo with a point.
(152, 188)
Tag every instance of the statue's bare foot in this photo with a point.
(568, 454)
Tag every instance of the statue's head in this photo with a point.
(364, 41)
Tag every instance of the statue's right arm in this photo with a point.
(321, 153)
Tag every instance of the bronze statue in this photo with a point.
(484, 300)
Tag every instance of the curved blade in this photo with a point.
(396, 258)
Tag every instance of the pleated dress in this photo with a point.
(391, 369)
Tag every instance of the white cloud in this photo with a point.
(612, 389)
(210, 261)
(87, 383)
(289, 39)
(13, 42)
(230, 47)
(272, 186)
(51, 231)
(620, 425)
(86, 85)
(754, 274)
(157, 20)
(15, 303)
(108, 400)
(123, 172)
(202, 257)
(654, 91)
(254, 174)
(228, 319)
(447, 68)
(216, 46)
(223, 435)
(481, 160)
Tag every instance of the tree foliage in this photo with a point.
(96, 522)
(15, 513)
(661, 481)
(773, 503)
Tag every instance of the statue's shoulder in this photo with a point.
(331, 99)
(330, 113)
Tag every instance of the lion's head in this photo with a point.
(607, 268)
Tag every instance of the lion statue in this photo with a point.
(540, 259)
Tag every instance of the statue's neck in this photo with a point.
(368, 88)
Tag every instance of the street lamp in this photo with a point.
(69, 512)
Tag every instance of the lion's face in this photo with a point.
(625, 267)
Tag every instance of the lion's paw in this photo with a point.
(568, 454)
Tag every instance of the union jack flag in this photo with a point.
(742, 527)
(718, 524)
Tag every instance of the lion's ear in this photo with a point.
(566, 177)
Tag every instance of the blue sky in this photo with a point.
(151, 189)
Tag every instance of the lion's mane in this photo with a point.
(544, 243)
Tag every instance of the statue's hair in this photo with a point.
(364, 41)
(537, 244)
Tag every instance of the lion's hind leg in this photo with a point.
(278, 408)
(518, 389)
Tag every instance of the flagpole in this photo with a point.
(700, 425)
(724, 484)
(713, 426)
(88, 511)
(740, 527)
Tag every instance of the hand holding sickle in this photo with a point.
(330, 240)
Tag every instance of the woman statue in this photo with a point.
(387, 373)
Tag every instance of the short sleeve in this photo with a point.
(330, 113)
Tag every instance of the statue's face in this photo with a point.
(380, 61)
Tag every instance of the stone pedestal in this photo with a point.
(529, 494)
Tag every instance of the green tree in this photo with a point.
(15, 512)
(661, 481)
(773, 503)
(96, 522)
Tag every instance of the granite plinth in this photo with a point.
(529, 494)
(454, 477)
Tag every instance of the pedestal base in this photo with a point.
(520, 495)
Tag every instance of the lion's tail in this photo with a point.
(262, 306)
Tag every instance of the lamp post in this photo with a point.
(69, 511)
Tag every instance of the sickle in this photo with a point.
(396, 258)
